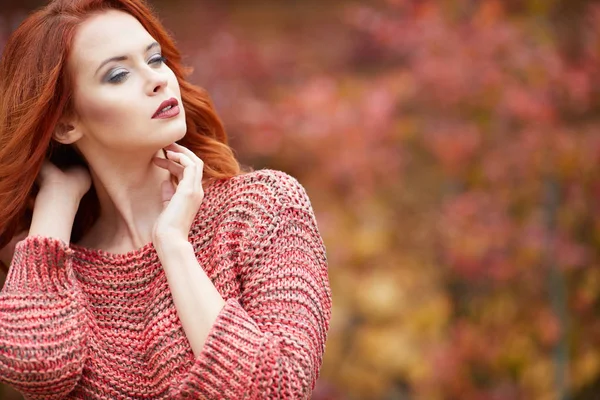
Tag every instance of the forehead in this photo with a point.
(108, 34)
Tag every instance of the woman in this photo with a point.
(146, 264)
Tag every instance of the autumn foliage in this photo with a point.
(451, 150)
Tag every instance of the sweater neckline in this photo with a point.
(144, 253)
(92, 254)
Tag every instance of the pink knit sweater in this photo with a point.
(79, 323)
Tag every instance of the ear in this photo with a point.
(67, 132)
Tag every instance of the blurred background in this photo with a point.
(451, 150)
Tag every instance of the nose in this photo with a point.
(156, 83)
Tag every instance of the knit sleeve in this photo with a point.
(42, 321)
(269, 343)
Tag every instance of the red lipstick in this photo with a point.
(167, 109)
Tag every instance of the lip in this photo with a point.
(170, 102)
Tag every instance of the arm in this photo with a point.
(196, 299)
(42, 322)
(269, 343)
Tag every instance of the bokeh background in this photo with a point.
(451, 149)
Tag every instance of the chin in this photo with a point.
(177, 131)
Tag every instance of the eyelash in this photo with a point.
(119, 77)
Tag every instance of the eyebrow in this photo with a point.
(122, 58)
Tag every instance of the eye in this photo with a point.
(157, 60)
(116, 78)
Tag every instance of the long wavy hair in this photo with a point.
(37, 90)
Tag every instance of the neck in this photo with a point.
(129, 192)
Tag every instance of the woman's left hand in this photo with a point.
(181, 203)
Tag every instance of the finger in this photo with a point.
(181, 157)
(172, 166)
(190, 168)
(197, 160)
(195, 182)
(190, 171)
(179, 148)
(167, 192)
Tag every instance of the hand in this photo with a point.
(51, 215)
(75, 181)
(180, 202)
(57, 202)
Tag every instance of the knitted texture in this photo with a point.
(80, 323)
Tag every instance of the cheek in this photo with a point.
(174, 83)
(106, 111)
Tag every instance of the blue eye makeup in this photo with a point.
(116, 78)
(160, 60)
(119, 75)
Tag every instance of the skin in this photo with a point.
(113, 129)
(125, 149)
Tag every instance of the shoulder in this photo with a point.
(245, 210)
(267, 188)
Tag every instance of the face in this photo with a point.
(121, 80)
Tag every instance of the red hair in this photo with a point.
(36, 92)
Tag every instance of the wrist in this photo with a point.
(53, 215)
(56, 197)
(169, 243)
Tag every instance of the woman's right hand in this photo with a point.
(74, 182)
(55, 205)
(57, 201)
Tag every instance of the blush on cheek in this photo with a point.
(102, 114)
